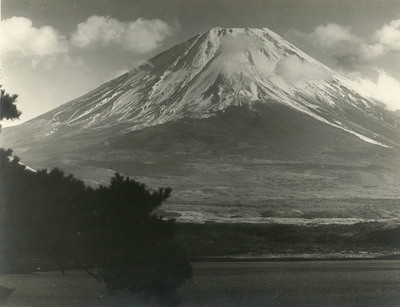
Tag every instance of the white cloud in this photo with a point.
(97, 30)
(138, 36)
(339, 43)
(353, 54)
(389, 36)
(20, 38)
(294, 70)
(145, 35)
(333, 35)
(348, 49)
(232, 48)
(329, 36)
(385, 88)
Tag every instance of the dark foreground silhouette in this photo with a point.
(111, 232)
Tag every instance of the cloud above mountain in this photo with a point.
(389, 36)
(294, 70)
(21, 39)
(352, 55)
(385, 88)
(348, 49)
(232, 48)
(140, 36)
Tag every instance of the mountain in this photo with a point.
(241, 124)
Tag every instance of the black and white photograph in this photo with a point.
(200, 153)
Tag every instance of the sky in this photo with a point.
(53, 51)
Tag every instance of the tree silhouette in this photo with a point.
(8, 109)
(137, 250)
(112, 232)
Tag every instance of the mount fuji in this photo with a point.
(241, 124)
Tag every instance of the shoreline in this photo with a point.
(294, 259)
(35, 267)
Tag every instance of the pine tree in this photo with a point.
(112, 232)
(8, 109)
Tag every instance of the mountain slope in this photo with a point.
(218, 69)
(232, 116)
